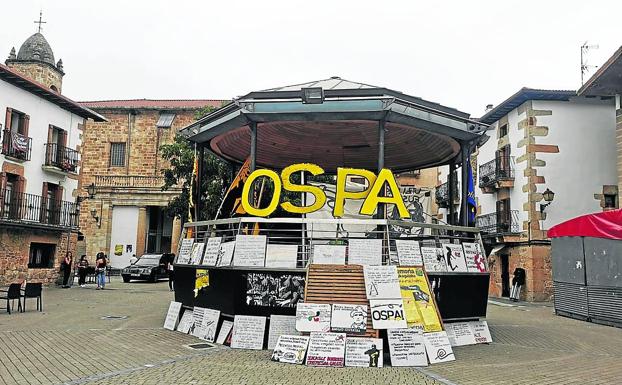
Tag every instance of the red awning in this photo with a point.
(607, 224)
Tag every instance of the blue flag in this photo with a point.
(471, 203)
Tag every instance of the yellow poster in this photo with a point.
(118, 249)
(418, 301)
(201, 281)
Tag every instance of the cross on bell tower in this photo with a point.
(40, 21)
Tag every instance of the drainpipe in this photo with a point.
(129, 141)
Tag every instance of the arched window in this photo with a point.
(53, 87)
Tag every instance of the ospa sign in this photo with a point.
(372, 194)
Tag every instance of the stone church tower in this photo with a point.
(35, 60)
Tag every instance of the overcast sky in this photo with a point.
(463, 54)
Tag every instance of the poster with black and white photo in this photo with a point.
(349, 318)
(184, 251)
(481, 332)
(285, 256)
(196, 256)
(172, 315)
(248, 332)
(225, 254)
(274, 289)
(329, 254)
(475, 260)
(290, 349)
(406, 347)
(212, 247)
(433, 259)
(225, 331)
(250, 250)
(460, 333)
(313, 317)
(365, 252)
(364, 352)
(438, 348)
(408, 252)
(186, 322)
(388, 314)
(454, 255)
(280, 325)
(326, 349)
(381, 282)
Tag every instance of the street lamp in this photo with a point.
(548, 196)
(92, 190)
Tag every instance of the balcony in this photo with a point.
(499, 223)
(16, 146)
(442, 194)
(29, 209)
(61, 157)
(496, 174)
(129, 181)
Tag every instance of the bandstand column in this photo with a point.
(464, 220)
(451, 181)
(253, 151)
(381, 214)
(197, 201)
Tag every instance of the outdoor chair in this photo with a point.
(33, 290)
(12, 294)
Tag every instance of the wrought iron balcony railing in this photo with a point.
(498, 169)
(499, 222)
(16, 145)
(442, 194)
(35, 209)
(129, 181)
(62, 157)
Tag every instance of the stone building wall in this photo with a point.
(40, 72)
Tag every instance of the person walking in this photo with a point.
(171, 272)
(100, 270)
(517, 283)
(66, 267)
(82, 265)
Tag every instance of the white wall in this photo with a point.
(124, 230)
(42, 113)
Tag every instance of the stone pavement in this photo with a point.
(70, 343)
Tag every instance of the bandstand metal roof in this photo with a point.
(342, 131)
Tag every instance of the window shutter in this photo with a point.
(7, 128)
(44, 199)
(63, 139)
(25, 124)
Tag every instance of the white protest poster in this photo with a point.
(206, 327)
(198, 315)
(250, 250)
(212, 247)
(365, 252)
(186, 322)
(326, 349)
(364, 352)
(408, 252)
(460, 333)
(184, 250)
(285, 256)
(438, 348)
(290, 349)
(475, 260)
(248, 332)
(280, 325)
(329, 254)
(388, 314)
(225, 330)
(481, 332)
(381, 282)
(454, 256)
(406, 347)
(348, 318)
(312, 317)
(172, 315)
(433, 259)
(225, 254)
(196, 256)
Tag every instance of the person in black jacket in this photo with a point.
(517, 283)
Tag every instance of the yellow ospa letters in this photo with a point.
(246, 204)
(341, 194)
(320, 197)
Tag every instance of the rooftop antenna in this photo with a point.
(40, 20)
(584, 66)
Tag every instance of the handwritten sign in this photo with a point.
(381, 282)
(313, 317)
(460, 333)
(475, 260)
(454, 255)
(248, 332)
(212, 247)
(349, 318)
(225, 331)
(387, 314)
(172, 315)
(186, 322)
(408, 252)
(364, 352)
(225, 254)
(290, 349)
(326, 349)
(406, 347)
(197, 253)
(250, 250)
(365, 252)
(438, 347)
(285, 256)
(433, 259)
(481, 332)
(184, 250)
(205, 323)
(329, 254)
(280, 325)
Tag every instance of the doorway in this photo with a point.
(505, 275)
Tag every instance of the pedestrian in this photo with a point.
(100, 270)
(169, 269)
(66, 267)
(82, 265)
(517, 283)
(133, 259)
